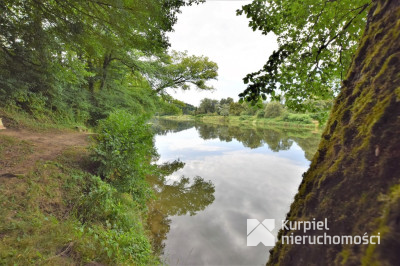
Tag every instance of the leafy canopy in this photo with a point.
(316, 40)
(183, 70)
(80, 60)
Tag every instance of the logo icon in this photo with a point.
(260, 232)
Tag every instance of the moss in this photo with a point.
(358, 155)
(388, 233)
(344, 256)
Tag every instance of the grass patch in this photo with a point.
(61, 215)
(13, 151)
(16, 119)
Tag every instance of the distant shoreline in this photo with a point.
(245, 121)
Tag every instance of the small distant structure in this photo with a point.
(1, 125)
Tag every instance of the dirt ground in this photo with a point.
(43, 146)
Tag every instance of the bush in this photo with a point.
(298, 118)
(235, 109)
(123, 151)
(273, 109)
(321, 117)
(137, 101)
(224, 110)
(260, 114)
(245, 117)
(113, 220)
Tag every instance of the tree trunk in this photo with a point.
(106, 62)
(354, 178)
(90, 79)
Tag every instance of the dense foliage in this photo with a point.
(316, 41)
(113, 220)
(80, 60)
(123, 151)
(184, 70)
(102, 63)
(275, 111)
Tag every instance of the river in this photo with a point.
(215, 178)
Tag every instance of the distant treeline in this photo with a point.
(269, 110)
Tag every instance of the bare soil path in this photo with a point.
(43, 146)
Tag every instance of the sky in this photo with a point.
(212, 29)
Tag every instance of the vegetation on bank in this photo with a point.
(86, 205)
(261, 114)
(76, 62)
(272, 115)
(91, 66)
(251, 121)
(275, 138)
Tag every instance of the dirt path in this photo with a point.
(43, 146)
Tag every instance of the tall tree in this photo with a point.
(208, 106)
(316, 40)
(50, 49)
(353, 180)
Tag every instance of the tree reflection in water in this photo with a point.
(182, 197)
(275, 138)
(188, 197)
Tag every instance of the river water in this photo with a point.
(217, 177)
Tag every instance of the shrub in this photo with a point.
(321, 117)
(260, 114)
(273, 109)
(235, 109)
(113, 220)
(245, 117)
(299, 118)
(224, 110)
(123, 149)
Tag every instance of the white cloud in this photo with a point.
(247, 185)
(213, 29)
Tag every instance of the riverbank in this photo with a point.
(251, 121)
(56, 209)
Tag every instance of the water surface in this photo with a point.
(217, 177)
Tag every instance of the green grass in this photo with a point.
(16, 119)
(12, 147)
(61, 214)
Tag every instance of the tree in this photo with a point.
(60, 55)
(170, 106)
(273, 109)
(316, 40)
(188, 109)
(207, 106)
(353, 179)
(235, 109)
(183, 71)
(228, 101)
(224, 110)
(251, 108)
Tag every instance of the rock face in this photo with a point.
(354, 178)
(1, 125)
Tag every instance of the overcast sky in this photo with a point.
(212, 29)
